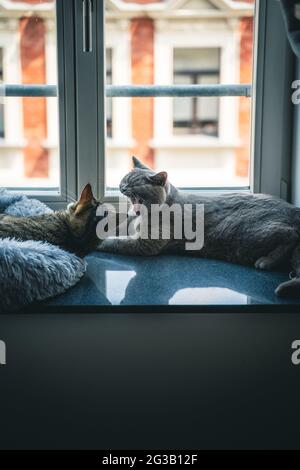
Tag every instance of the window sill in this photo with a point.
(20, 144)
(119, 144)
(131, 281)
(191, 142)
(7, 144)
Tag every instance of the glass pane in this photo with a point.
(196, 59)
(29, 148)
(201, 141)
(208, 108)
(109, 100)
(183, 108)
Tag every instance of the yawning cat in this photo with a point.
(251, 229)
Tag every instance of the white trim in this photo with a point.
(118, 39)
(175, 8)
(194, 143)
(13, 110)
(52, 125)
(51, 78)
(18, 9)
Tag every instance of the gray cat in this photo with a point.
(73, 229)
(250, 229)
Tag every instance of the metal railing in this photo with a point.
(114, 91)
(28, 90)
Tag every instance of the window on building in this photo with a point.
(109, 104)
(2, 130)
(198, 115)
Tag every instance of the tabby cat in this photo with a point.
(73, 229)
(251, 229)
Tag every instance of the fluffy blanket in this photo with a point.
(31, 271)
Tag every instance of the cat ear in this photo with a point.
(85, 199)
(160, 178)
(138, 164)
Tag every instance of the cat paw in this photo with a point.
(264, 263)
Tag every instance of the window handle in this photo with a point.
(87, 11)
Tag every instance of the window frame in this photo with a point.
(2, 108)
(58, 198)
(273, 76)
(67, 105)
(82, 127)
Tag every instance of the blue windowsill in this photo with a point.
(115, 280)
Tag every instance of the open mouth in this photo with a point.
(136, 202)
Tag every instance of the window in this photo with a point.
(196, 115)
(2, 129)
(29, 150)
(202, 140)
(109, 111)
(52, 126)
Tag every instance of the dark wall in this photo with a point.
(149, 381)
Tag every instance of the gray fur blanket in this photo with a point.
(32, 271)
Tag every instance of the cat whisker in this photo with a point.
(70, 196)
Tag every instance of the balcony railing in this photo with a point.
(135, 90)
